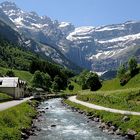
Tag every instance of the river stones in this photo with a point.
(24, 136)
(53, 125)
(131, 134)
(96, 119)
(91, 117)
(118, 132)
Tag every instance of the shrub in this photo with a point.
(132, 63)
(41, 80)
(10, 73)
(71, 87)
(124, 80)
(121, 71)
(92, 81)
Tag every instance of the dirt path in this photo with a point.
(97, 107)
(6, 105)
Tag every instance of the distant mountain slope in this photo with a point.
(96, 48)
(9, 31)
(109, 75)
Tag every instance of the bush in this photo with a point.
(41, 80)
(132, 63)
(55, 87)
(10, 73)
(121, 71)
(124, 80)
(92, 81)
(71, 87)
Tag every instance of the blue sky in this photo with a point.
(84, 12)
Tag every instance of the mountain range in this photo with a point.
(95, 48)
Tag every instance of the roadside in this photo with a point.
(97, 107)
(9, 104)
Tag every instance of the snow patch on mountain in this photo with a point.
(121, 39)
(100, 29)
(81, 33)
(64, 24)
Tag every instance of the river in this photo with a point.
(60, 123)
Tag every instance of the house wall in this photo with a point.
(8, 90)
(12, 91)
(19, 92)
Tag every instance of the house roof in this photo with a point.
(9, 81)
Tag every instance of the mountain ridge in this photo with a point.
(96, 48)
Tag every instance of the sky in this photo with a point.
(84, 12)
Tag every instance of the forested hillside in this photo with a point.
(12, 56)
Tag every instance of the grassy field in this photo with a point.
(76, 89)
(4, 97)
(14, 119)
(116, 119)
(23, 75)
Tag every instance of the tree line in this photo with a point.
(49, 76)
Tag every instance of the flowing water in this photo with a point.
(68, 125)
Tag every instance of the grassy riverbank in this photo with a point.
(116, 119)
(13, 120)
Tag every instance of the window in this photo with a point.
(1, 82)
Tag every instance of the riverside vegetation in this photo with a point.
(16, 119)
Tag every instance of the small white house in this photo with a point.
(12, 86)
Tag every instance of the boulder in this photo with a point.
(102, 125)
(53, 125)
(126, 118)
(91, 117)
(131, 134)
(24, 136)
(109, 123)
(96, 119)
(112, 128)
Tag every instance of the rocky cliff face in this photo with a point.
(97, 48)
(105, 47)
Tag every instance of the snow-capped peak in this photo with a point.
(85, 45)
(64, 24)
(7, 5)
